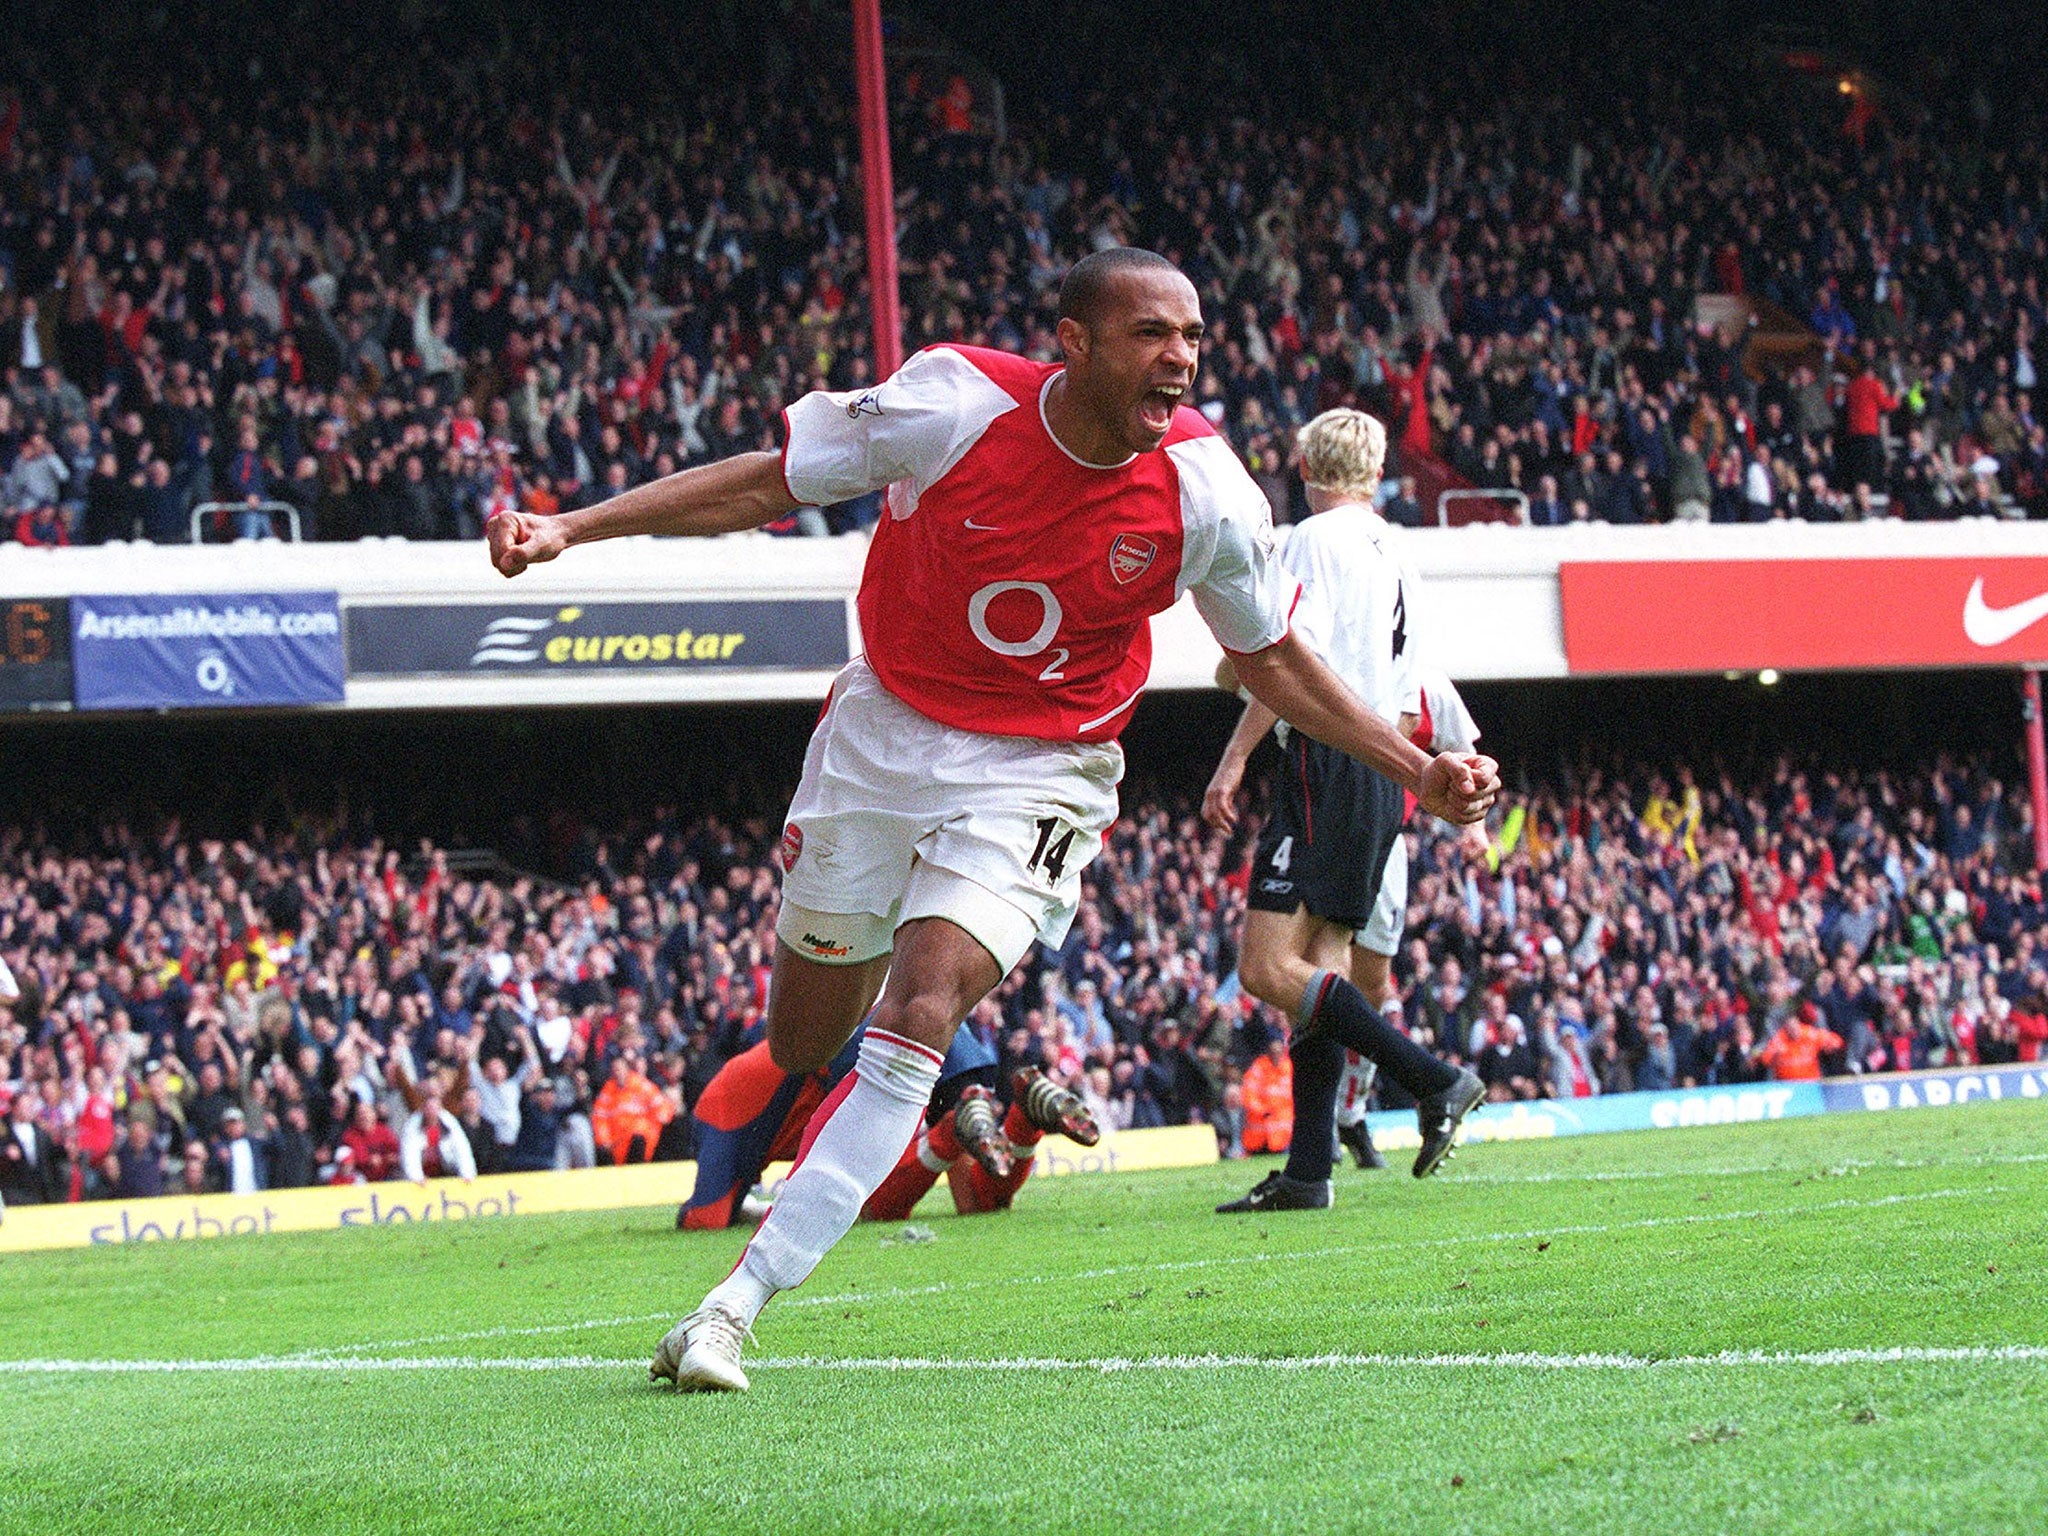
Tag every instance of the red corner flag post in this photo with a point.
(2037, 766)
(879, 185)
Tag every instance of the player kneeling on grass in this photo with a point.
(964, 770)
(752, 1113)
(1321, 862)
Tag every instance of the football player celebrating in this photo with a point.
(964, 770)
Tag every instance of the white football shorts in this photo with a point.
(899, 817)
(1382, 932)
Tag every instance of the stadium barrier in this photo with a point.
(1509, 602)
(176, 1218)
(1541, 1119)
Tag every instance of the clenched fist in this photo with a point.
(520, 539)
(1459, 789)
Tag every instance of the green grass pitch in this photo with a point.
(1471, 1353)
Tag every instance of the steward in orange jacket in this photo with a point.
(1269, 1100)
(629, 1109)
(1793, 1053)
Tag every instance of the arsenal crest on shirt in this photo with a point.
(792, 846)
(1130, 557)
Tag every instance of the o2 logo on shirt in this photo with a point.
(1050, 615)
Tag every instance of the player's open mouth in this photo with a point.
(1157, 406)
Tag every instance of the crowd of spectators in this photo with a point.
(396, 281)
(198, 1015)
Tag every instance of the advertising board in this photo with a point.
(211, 650)
(436, 639)
(1673, 616)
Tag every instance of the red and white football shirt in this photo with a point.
(1009, 584)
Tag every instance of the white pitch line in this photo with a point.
(503, 1332)
(263, 1364)
(1908, 1354)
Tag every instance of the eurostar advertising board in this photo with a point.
(567, 640)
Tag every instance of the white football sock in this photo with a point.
(867, 1122)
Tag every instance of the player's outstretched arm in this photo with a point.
(743, 491)
(1292, 681)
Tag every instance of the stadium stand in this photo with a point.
(389, 279)
(1632, 928)
(392, 278)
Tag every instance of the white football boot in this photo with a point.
(702, 1352)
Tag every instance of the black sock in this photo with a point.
(1318, 1068)
(1343, 1012)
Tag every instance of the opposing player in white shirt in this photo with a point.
(1317, 872)
(964, 770)
(1443, 725)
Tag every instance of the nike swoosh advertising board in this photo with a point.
(1623, 616)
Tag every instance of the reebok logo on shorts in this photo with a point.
(1276, 887)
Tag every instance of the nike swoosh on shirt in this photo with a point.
(983, 527)
(1988, 626)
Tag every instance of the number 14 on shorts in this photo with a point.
(1051, 852)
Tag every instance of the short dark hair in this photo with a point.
(1089, 279)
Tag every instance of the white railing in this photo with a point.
(206, 509)
(1515, 499)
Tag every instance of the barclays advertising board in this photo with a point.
(1937, 1090)
(1735, 1105)
(1542, 1118)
